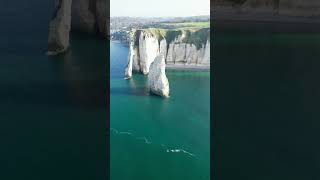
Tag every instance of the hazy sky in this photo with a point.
(159, 8)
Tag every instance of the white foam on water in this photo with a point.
(180, 150)
(147, 141)
(128, 133)
(114, 130)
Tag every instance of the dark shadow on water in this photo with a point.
(83, 72)
(266, 104)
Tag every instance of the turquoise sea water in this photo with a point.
(154, 138)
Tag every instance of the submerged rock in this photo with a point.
(157, 79)
(59, 28)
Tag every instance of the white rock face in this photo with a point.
(206, 57)
(163, 47)
(189, 54)
(148, 51)
(136, 61)
(144, 48)
(59, 27)
(128, 70)
(157, 79)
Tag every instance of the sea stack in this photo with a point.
(128, 70)
(157, 79)
(179, 47)
(88, 16)
(59, 28)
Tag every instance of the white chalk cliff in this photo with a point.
(89, 16)
(157, 79)
(145, 47)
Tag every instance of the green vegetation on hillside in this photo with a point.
(198, 37)
(196, 33)
(186, 25)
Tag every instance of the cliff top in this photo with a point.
(196, 33)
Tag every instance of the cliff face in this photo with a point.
(59, 27)
(283, 7)
(89, 16)
(157, 80)
(181, 47)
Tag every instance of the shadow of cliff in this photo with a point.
(83, 71)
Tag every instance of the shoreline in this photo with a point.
(190, 67)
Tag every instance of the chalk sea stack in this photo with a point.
(157, 79)
(88, 16)
(178, 47)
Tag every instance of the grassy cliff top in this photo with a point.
(185, 25)
(196, 33)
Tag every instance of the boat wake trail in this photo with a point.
(180, 150)
(148, 141)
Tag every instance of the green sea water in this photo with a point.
(53, 114)
(154, 138)
(266, 120)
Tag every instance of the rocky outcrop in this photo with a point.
(89, 16)
(83, 16)
(59, 27)
(157, 79)
(178, 47)
(102, 13)
(148, 51)
(306, 8)
(131, 55)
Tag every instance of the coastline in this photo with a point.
(178, 67)
(119, 42)
(187, 67)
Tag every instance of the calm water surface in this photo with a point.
(156, 138)
(267, 94)
(52, 110)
